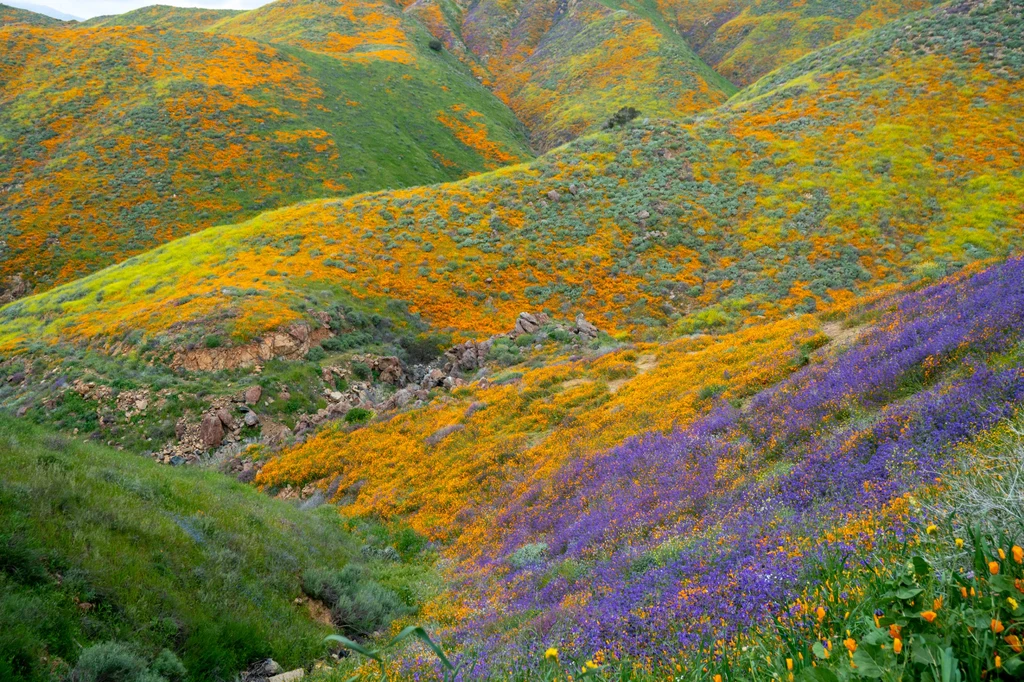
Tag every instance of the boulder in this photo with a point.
(554, 195)
(584, 328)
(225, 418)
(211, 431)
(16, 378)
(253, 395)
(251, 418)
(391, 370)
(433, 378)
(526, 324)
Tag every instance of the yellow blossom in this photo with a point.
(993, 567)
(551, 654)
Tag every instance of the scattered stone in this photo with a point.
(16, 378)
(335, 396)
(289, 676)
(225, 418)
(434, 377)
(584, 328)
(253, 395)
(15, 289)
(251, 418)
(22, 411)
(554, 196)
(211, 431)
(526, 324)
(272, 667)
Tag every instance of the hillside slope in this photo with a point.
(880, 169)
(745, 39)
(114, 140)
(565, 68)
(14, 16)
(96, 546)
(165, 16)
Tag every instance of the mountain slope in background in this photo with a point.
(565, 68)
(868, 165)
(114, 140)
(165, 16)
(745, 39)
(10, 16)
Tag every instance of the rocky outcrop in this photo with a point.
(466, 357)
(291, 344)
(14, 288)
(211, 431)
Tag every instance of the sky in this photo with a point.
(84, 9)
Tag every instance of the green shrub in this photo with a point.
(359, 605)
(358, 415)
(212, 341)
(110, 662)
(361, 371)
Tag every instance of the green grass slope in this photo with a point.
(98, 546)
(165, 16)
(114, 140)
(14, 16)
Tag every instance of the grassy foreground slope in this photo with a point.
(878, 162)
(116, 139)
(96, 545)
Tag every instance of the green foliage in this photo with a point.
(136, 542)
(359, 605)
(358, 415)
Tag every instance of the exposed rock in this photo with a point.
(434, 377)
(16, 378)
(271, 667)
(16, 288)
(211, 431)
(251, 418)
(22, 411)
(467, 356)
(289, 676)
(553, 195)
(391, 370)
(584, 328)
(401, 398)
(335, 396)
(225, 418)
(292, 344)
(253, 394)
(526, 324)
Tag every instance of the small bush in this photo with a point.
(109, 662)
(361, 371)
(316, 354)
(358, 415)
(621, 117)
(359, 605)
(435, 45)
(212, 341)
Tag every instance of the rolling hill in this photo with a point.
(165, 16)
(565, 68)
(745, 39)
(10, 16)
(116, 139)
(857, 166)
